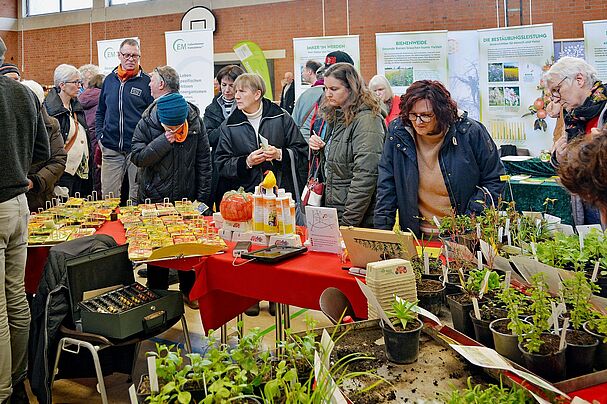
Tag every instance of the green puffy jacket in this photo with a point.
(352, 157)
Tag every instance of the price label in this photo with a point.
(152, 373)
(477, 310)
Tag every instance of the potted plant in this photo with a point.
(597, 327)
(581, 346)
(402, 344)
(505, 331)
(541, 350)
(489, 312)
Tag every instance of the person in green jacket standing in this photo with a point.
(352, 146)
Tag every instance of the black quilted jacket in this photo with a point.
(174, 171)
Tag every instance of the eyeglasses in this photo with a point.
(127, 56)
(425, 118)
(160, 74)
(78, 82)
(555, 94)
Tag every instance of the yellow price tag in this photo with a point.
(504, 177)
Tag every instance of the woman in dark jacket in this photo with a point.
(89, 99)
(353, 147)
(62, 103)
(43, 176)
(218, 111)
(174, 170)
(241, 160)
(434, 160)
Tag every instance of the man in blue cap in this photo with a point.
(171, 148)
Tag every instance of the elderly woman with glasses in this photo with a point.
(574, 85)
(435, 160)
(391, 103)
(62, 103)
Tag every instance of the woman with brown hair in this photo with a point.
(352, 146)
(435, 159)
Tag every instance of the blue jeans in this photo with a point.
(114, 166)
(14, 311)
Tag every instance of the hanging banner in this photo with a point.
(595, 40)
(317, 48)
(107, 54)
(405, 57)
(191, 54)
(512, 61)
(254, 61)
(464, 71)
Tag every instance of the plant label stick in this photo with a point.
(507, 279)
(477, 310)
(484, 284)
(153, 375)
(445, 274)
(553, 320)
(446, 250)
(132, 392)
(533, 250)
(436, 222)
(595, 273)
(479, 260)
(563, 334)
(478, 231)
(507, 226)
(500, 234)
(427, 314)
(426, 263)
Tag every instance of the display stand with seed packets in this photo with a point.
(388, 278)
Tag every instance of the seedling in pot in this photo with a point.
(403, 311)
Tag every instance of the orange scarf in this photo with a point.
(182, 133)
(124, 75)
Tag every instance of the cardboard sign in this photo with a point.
(371, 245)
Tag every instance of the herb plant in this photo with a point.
(403, 311)
(577, 292)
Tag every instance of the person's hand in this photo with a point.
(316, 143)
(560, 148)
(255, 158)
(272, 153)
(30, 184)
(170, 136)
(594, 132)
(553, 109)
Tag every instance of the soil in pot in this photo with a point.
(430, 294)
(481, 325)
(460, 305)
(549, 362)
(402, 345)
(600, 357)
(581, 350)
(505, 342)
(435, 266)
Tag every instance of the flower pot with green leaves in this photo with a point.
(489, 312)
(505, 331)
(541, 350)
(597, 327)
(576, 292)
(402, 344)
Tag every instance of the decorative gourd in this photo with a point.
(237, 206)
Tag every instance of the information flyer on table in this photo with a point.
(191, 54)
(512, 61)
(107, 54)
(595, 40)
(405, 57)
(317, 48)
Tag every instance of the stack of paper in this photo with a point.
(388, 278)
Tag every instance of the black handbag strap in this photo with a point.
(294, 174)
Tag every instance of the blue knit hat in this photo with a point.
(172, 109)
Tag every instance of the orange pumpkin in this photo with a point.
(236, 206)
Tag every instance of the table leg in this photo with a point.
(240, 324)
(279, 330)
(224, 334)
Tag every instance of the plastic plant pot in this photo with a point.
(551, 366)
(580, 357)
(505, 344)
(460, 317)
(402, 346)
(482, 333)
(600, 356)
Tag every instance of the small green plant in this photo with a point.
(515, 301)
(599, 325)
(577, 292)
(541, 313)
(475, 281)
(402, 310)
(492, 394)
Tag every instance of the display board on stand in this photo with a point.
(464, 71)
(595, 40)
(107, 54)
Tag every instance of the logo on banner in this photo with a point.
(179, 45)
(110, 53)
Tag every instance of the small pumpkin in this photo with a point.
(237, 206)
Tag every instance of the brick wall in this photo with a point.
(273, 26)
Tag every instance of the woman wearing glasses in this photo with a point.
(435, 159)
(352, 146)
(381, 87)
(62, 103)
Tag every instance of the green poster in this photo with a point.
(254, 61)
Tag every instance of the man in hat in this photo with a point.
(125, 94)
(171, 149)
(11, 71)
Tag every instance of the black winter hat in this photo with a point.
(338, 57)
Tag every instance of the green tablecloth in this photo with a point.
(534, 167)
(531, 197)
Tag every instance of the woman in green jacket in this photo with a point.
(352, 146)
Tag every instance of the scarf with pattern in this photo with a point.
(577, 119)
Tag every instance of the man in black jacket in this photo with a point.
(287, 96)
(171, 149)
(23, 140)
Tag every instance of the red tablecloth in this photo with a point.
(36, 256)
(224, 291)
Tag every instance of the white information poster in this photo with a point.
(464, 71)
(316, 48)
(191, 54)
(405, 57)
(512, 61)
(595, 40)
(107, 54)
